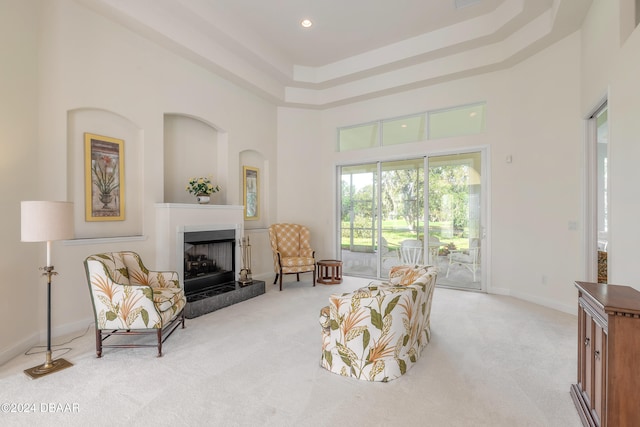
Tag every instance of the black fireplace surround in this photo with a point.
(209, 272)
(209, 261)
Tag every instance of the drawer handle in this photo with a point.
(586, 342)
(597, 354)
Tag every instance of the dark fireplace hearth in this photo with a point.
(221, 296)
(212, 291)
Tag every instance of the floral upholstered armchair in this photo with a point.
(378, 332)
(129, 299)
(292, 253)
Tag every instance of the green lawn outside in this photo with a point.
(395, 231)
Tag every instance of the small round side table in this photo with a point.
(329, 271)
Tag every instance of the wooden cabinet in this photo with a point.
(607, 392)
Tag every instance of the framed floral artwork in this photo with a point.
(250, 192)
(104, 178)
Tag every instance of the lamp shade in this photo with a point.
(44, 221)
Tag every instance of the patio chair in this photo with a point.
(411, 252)
(467, 258)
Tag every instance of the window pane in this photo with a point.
(405, 129)
(467, 120)
(358, 217)
(358, 137)
(455, 218)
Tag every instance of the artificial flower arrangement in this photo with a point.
(202, 186)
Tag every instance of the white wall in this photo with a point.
(611, 68)
(546, 129)
(74, 59)
(19, 178)
(304, 176)
(624, 110)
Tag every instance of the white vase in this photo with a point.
(203, 199)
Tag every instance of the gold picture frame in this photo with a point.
(104, 178)
(250, 194)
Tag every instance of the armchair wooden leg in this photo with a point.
(281, 281)
(159, 342)
(314, 275)
(98, 342)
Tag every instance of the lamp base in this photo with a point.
(48, 368)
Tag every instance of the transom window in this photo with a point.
(445, 123)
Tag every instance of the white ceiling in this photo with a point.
(343, 28)
(356, 49)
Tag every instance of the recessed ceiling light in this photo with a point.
(306, 23)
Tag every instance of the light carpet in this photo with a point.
(492, 361)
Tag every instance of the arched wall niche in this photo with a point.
(193, 148)
(256, 230)
(256, 159)
(105, 123)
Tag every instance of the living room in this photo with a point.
(69, 66)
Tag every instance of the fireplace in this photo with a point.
(209, 262)
(200, 242)
(209, 266)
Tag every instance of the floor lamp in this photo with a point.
(43, 221)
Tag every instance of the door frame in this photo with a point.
(590, 179)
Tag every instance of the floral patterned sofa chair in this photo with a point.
(378, 332)
(292, 253)
(129, 299)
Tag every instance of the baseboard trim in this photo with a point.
(37, 338)
(68, 329)
(19, 348)
(545, 302)
(499, 291)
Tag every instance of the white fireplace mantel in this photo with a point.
(173, 219)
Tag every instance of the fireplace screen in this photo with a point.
(209, 259)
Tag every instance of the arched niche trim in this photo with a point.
(256, 159)
(105, 123)
(193, 147)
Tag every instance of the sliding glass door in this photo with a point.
(358, 213)
(454, 219)
(402, 213)
(384, 220)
